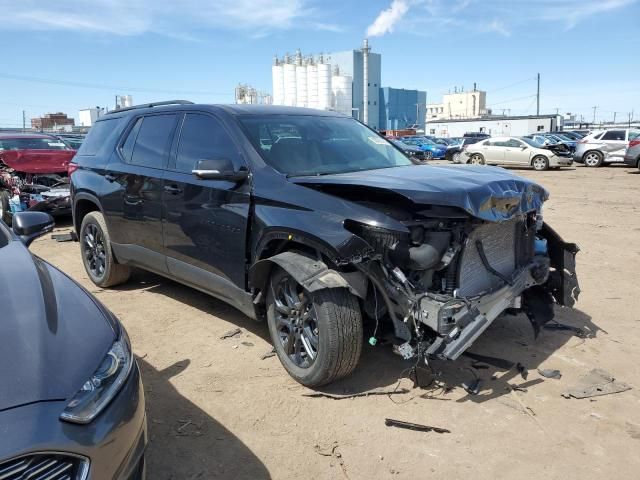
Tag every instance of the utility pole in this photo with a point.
(614, 117)
(594, 114)
(538, 97)
(24, 121)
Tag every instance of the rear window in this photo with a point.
(614, 135)
(634, 134)
(101, 133)
(32, 144)
(153, 141)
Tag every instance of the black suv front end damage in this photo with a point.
(451, 267)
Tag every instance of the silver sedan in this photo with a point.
(515, 151)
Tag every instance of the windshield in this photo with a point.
(531, 142)
(565, 138)
(32, 144)
(316, 145)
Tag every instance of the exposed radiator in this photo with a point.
(506, 245)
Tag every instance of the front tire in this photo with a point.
(540, 163)
(97, 256)
(593, 159)
(318, 336)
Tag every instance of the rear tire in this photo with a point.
(593, 159)
(540, 163)
(329, 318)
(97, 256)
(5, 210)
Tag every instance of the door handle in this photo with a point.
(172, 189)
(110, 178)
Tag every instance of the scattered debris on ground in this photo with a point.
(550, 373)
(231, 333)
(522, 370)
(472, 387)
(269, 354)
(595, 383)
(390, 422)
(578, 332)
(332, 451)
(65, 237)
(355, 395)
(246, 344)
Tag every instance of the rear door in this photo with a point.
(205, 221)
(134, 206)
(493, 150)
(615, 143)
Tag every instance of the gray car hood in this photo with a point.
(489, 193)
(53, 334)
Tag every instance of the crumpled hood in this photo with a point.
(53, 334)
(38, 161)
(488, 193)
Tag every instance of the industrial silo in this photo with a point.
(324, 86)
(312, 85)
(341, 87)
(301, 86)
(290, 90)
(277, 76)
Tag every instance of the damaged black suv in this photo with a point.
(312, 220)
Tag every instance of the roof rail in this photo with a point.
(149, 105)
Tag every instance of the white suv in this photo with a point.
(606, 146)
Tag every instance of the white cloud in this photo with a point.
(501, 17)
(135, 17)
(388, 18)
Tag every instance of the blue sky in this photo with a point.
(70, 54)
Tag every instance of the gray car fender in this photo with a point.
(311, 273)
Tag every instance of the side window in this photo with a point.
(634, 135)
(153, 140)
(514, 143)
(127, 148)
(99, 134)
(203, 138)
(614, 135)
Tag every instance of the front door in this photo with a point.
(516, 152)
(133, 205)
(205, 221)
(492, 150)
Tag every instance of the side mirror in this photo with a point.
(523, 147)
(31, 225)
(219, 169)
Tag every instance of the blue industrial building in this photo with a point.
(400, 108)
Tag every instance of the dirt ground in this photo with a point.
(217, 410)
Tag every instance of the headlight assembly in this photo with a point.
(103, 385)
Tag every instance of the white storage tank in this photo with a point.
(277, 75)
(312, 86)
(301, 85)
(324, 86)
(341, 86)
(290, 90)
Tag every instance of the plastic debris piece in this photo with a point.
(231, 333)
(595, 383)
(522, 370)
(390, 422)
(473, 387)
(550, 373)
(495, 361)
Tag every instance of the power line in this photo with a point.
(512, 100)
(105, 87)
(520, 82)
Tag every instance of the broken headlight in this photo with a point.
(103, 385)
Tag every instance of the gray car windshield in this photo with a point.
(299, 145)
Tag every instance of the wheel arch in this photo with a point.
(83, 203)
(538, 155)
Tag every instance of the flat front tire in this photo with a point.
(97, 256)
(317, 336)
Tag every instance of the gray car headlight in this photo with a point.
(103, 385)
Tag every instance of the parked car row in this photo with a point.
(608, 146)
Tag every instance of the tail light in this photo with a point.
(71, 167)
(634, 143)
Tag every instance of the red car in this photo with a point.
(33, 174)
